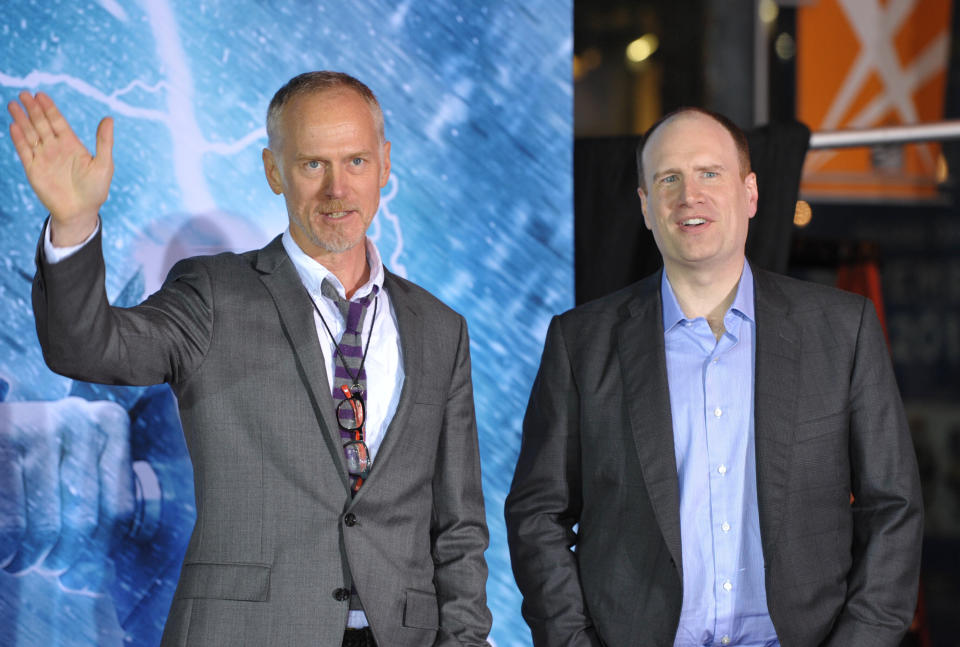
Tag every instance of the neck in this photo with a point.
(706, 293)
(350, 267)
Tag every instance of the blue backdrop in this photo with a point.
(477, 99)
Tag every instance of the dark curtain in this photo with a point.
(613, 248)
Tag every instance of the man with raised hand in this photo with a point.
(327, 403)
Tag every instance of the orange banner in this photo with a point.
(869, 64)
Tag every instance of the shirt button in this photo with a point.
(727, 585)
(725, 640)
(350, 519)
(716, 359)
(725, 527)
(341, 595)
(722, 469)
(717, 412)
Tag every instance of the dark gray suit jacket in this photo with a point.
(598, 451)
(278, 534)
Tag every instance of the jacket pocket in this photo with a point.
(420, 610)
(247, 582)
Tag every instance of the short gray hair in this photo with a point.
(315, 82)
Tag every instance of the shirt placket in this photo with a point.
(723, 489)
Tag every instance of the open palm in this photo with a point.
(69, 182)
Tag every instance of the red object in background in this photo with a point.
(862, 276)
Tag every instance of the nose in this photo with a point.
(690, 192)
(335, 185)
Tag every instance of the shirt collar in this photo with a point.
(313, 273)
(742, 302)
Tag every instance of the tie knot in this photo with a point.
(328, 290)
(352, 311)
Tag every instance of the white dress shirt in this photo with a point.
(384, 363)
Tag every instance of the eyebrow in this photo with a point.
(306, 155)
(709, 167)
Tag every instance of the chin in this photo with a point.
(337, 244)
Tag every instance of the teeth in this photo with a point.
(694, 221)
(337, 214)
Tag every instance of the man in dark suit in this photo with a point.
(692, 442)
(335, 452)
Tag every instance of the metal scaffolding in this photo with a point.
(940, 131)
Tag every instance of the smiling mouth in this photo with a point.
(693, 222)
(337, 215)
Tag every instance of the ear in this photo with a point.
(272, 170)
(385, 165)
(643, 207)
(753, 193)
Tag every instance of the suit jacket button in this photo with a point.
(350, 519)
(341, 595)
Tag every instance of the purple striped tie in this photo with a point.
(348, 363)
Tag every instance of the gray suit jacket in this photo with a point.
(598, 451)
(278, 535)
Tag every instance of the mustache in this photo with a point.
(333, 206)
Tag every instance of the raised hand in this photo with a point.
(69, 182)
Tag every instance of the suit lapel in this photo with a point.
(775, 401)
(644, 369)
(410, 330)
(281, 280)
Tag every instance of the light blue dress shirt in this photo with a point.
(711, 400)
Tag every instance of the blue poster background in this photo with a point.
(477, 98)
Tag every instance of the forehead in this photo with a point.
(337, 111)
(688, 138)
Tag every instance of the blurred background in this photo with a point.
(880, 219)
(513, 197)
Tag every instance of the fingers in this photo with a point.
(22, 133)
(58, 124)
(78, 491)
(66, 486)
(109, 506)
(22, 120)
(13, 509)
(39, 457)
(115, 471)
(37, 122)
(20, 143)
(104, 142)
(68, 181)
(38, 117)
(96, 486)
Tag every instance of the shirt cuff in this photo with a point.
(56, 254)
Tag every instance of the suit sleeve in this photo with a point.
(83, 337)
(543, 506)
(458, 525)
(887, 508)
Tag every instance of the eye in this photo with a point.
(710, 174)
(313, 165)
(669, 179)
(357, 161)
